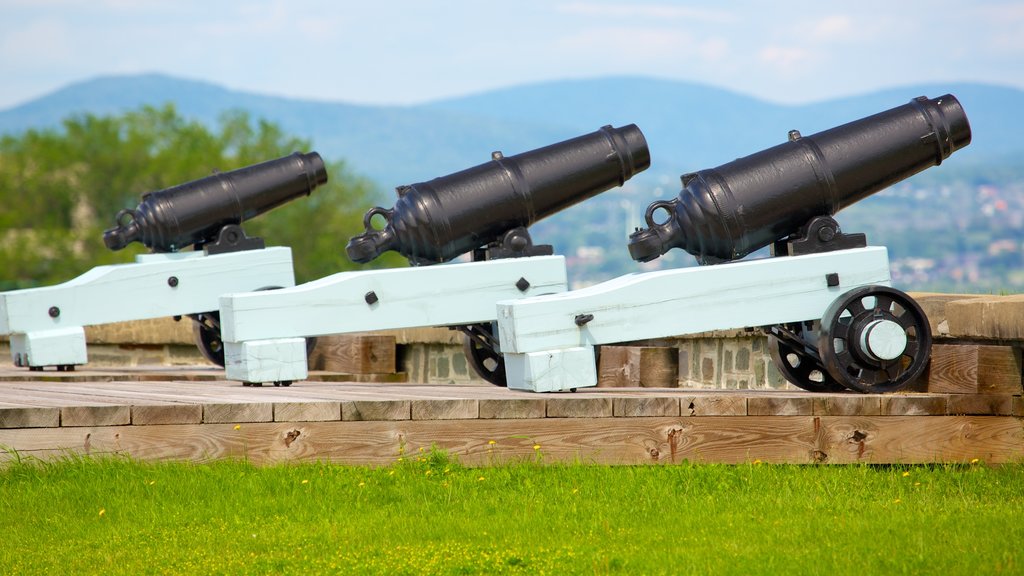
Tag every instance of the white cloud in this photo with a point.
(631, 10)
(785, 58)
(835, 27)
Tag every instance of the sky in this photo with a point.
(404, 52)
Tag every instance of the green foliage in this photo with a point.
(60, 188)
(430, 515)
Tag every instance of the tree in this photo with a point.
(60, 188)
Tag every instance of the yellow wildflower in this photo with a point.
(305, 481)
(975, 460)
(905, 474)
(238, 426)
(480, 479)
(491, 442)
(103, 511)
(536, 446)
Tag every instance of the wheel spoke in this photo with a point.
(883, 302)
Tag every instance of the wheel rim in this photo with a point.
(875, 339)
(800, 369)
(480, 351)
(206, 332)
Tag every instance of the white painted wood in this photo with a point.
(140, 290)
(277, 360)
(552, 370)
(58, 347)
(689, 300)
(443, 295)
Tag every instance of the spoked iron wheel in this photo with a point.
(875, 339)
(481, 348)
(798, 365)
(206, 332)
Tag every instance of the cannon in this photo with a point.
(202, 212)
(436, 221)
(483, 212)
(725, 213)
(46, 324)
(823, 297)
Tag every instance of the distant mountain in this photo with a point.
(688, 126)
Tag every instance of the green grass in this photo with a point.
(430, 515)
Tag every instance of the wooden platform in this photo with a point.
(191, 414)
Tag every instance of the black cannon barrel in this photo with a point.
(441, 219)
(191, 213)
(725, 213)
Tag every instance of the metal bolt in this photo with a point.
(826, 233)
(172, 281)
(54, 311)
(582, 319)
(522, 284)
(371, 297)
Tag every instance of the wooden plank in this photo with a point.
(513, 408)
(354, 354)
(579, 407)
(974, 369)
(167, 414)
(1018, 406)
(635, 366)
(252, 412)
(913, 405)
(646, 407)
(29, 417)
(713, 405)
(780, 405)
(95, 416)
(987, 317)
(307, 411)
(848, 405)
(789, 439)
(445, 409)
(359, 410)
(997, 405)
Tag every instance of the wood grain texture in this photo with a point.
(513, 408)
(780, 405)
(789, 439)
(354, 354)
(915, 405)
(713, 405)
(363, 410)
(974, 369)
(579, 407)
(635, 366)
(95, 416)
(849, 405)
(645, 407)
(167, 414)
(253, 412)
(307, 411)
(447, 409)
(980, 404)
(29, 417)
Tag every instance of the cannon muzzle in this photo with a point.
(441, 219)
(194, 213)
(725, 213)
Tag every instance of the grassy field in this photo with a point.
(429, 515)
